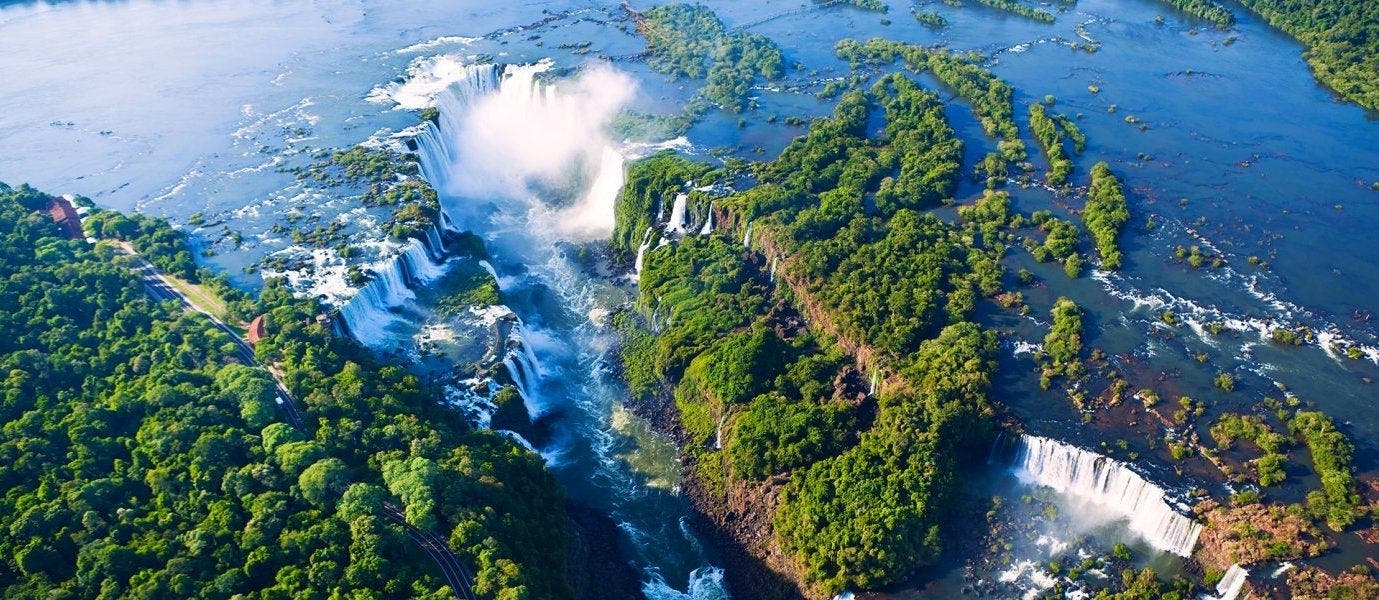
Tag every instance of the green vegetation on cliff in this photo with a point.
(141, 458)
(886, 289)
(651, 185)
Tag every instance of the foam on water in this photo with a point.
(704, 584)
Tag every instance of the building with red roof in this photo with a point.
(66, 217)
(256, 331)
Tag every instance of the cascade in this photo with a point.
(747, 236)
(641, 251)
(420, 269)
(520, 377)
(368, 314)
(991, 456)
(874, 376)
(708, 222)
(772, 273)
(718, 434)
(508, 135)
(517, 437)
(439, 153)
(1230, 585)
(522, 366)
(435, 247)
(677, 214)
(1108, 483)
(488, 266)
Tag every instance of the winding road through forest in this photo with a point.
(162, 289)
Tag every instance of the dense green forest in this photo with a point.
(1207, 10)
(141, 458)
(1342, 40)
(1105, 214)
(690, 41)
(1017, 8)
(888, 290)
(1050, 133)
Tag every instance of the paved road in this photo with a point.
(455, 573)
(160, 289)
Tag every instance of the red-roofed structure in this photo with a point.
(66, 217)
(256, 331)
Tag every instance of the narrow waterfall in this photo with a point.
(677, 214)
(1230, 585)
(1110, 484)
(435, 247)
(641, 251)
(995, 444)
(772, 273)
(522, 366)
(747, 236)
(708, 222)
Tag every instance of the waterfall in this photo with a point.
(874, 377)
(1230, 585)
(641, 251)
(772, 273)
(1110, 484)
(522, 366)
(488, 266)
(369, 313)
(708, 222)
(747, 236)
(420, 269)
(517, 437)
(991, 456)
(718, 434)
(435, 247)
(474, 81)
(677, 214)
